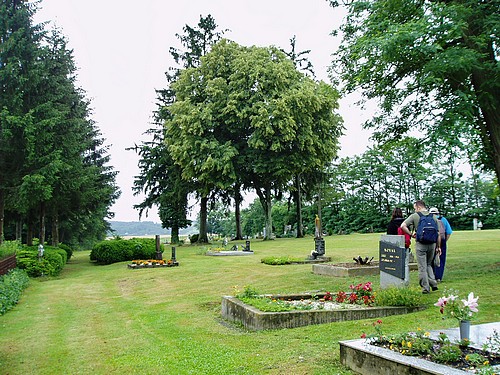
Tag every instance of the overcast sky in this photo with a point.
(121, 50)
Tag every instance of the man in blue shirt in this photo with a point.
(446, 232)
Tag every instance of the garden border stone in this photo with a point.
(234, 310)
(364, 358)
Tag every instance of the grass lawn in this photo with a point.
(114, 320)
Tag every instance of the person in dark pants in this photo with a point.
(445, 231)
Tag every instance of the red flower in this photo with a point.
(363, 336)
(341, 297)
(353, 298)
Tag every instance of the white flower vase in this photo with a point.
(465, 329)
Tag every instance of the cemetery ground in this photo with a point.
(114, 320)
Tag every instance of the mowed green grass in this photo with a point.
(114, 320)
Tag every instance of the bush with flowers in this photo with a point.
(461, 309)
(360, 294)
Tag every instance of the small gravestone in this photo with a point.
(247, 246)
(159, 255)
(393, 262)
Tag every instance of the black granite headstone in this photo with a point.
(392, 259)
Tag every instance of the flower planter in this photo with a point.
(252, 318)
(140, 266)
(365, 358)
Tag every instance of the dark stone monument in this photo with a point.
(173, 255)
(393, 262)
(159, 255)
(247, 246)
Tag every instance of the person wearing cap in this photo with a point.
(445, 232)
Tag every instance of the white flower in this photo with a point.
(471, 303)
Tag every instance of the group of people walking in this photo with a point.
(431, 232)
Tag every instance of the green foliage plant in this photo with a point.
(119, 250)
(159, 321)
(8, 248)
(11, 286)
(447, 353)
(68, 249)
(409, 297)
(281, 260)
(51, 264)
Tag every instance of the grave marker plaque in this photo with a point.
(393, 262)
(392, 259)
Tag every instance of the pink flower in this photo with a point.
(441, 302)
(471, 302)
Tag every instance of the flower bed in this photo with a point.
(152, 263)
(435, 352)
(312, 309)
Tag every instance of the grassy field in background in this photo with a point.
(114, 320)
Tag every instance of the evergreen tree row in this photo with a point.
(54, 179)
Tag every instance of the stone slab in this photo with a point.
(228, 253)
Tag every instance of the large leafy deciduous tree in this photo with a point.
(434, 65)
(160, 178)
(247, 115)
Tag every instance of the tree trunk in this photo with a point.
(237, 213)
(203, 237)
(42, 224)
(298, 207)
(174, 234)
(19, 230)
(29, 234)
(485, 83)
(267, 205)
(55, 229)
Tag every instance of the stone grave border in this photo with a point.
(364, 358)
(251, 318)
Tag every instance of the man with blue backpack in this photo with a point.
(428, 242)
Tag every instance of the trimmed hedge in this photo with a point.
(11, 286)
(51, 264)
(67, 248)
(119, 250)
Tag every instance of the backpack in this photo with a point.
(427, 229)
(442, 230)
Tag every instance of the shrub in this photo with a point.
(8, 248)
(194, 238)
(11, 286)
(50, 264)
(278, 261)
(118, 250)
(409, 297)
(67, 249)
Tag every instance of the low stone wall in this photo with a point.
(371, 360)
(7, 264)
(253, 319)
(350, 269)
